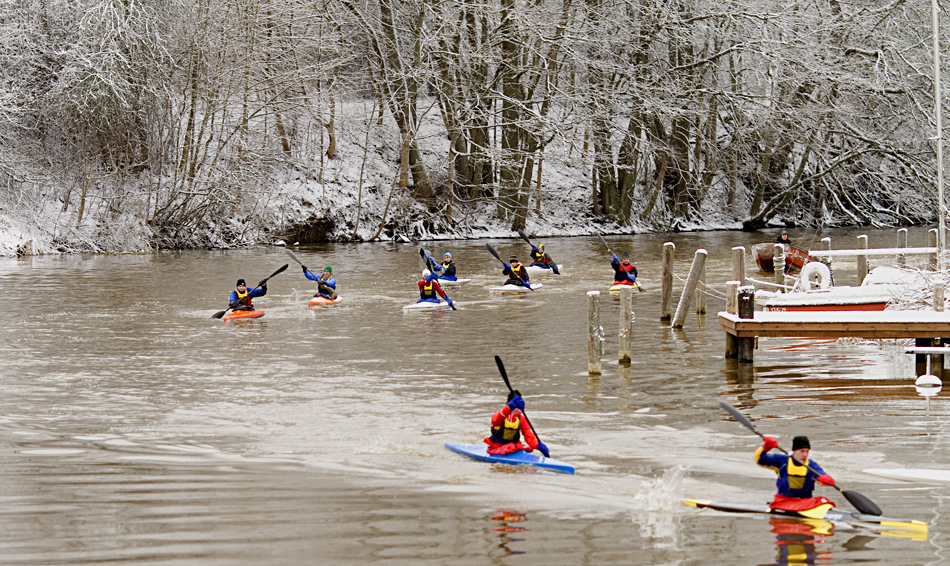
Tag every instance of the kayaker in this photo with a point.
(326, 282)
(796, 475)
(240, 299)
(542, 259)
(430, 290)
(783, 239)
(508, 426)
(517, 274)
(446, 270)
(625, 273)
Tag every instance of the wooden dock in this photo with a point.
(839, 324)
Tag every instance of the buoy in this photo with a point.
(928, 385)
(815, 269)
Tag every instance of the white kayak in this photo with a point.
(427, 306)
(535, 271)
(514, 289)
(456, 283)
(927, 475)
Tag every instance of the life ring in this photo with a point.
(815, 269)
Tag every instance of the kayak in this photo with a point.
(535, 271)
(238, 315)
(456, 283)
(909, 527)
(615, 289)
(323, 301)
(926, 475)
(520, 458)
(514, 288)
(427, 306)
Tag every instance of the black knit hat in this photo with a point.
(800, 442)
(240, 282)
(625, 254)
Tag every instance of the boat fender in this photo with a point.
(815, 269)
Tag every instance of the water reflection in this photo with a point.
(797, 540)
(510, 522)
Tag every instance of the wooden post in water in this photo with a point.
(595, 334)
(937, 362)
(625, 347)
(778, 261)
(732, 302)
(738, 264)
(667, 287)
(932, 243)
(701, 292)
(699, 261)
(862, 259)
(901, 243)
(746, 309)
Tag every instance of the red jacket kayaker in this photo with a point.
(625, 273)
(517, 274)
(796, 475)
(507, 427)
(430, 290)
(240, 298)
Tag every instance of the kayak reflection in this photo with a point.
(506, 517)
(797, 540)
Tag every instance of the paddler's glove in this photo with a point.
(263, 283)
(304, 267)
(449, 301)
(516, 403)
(769, 443)
(506, 266)
(544, 450)
(825, 479)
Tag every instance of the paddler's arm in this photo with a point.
(233, 301)
(766, 460)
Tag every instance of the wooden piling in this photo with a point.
(625, 341)
(745, 305)
(595, 334)
(738, 264)
(667, 286)
(701, 292)
(778, 261)
(862, 259)
(901, 243)
(732, 301)
(699, 261)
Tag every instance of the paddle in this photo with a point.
(429, 264)
(294, 256)
(504, 375)
(604, 242)
(498, 257)
(525, 238)
(219, 314)
(860, 502)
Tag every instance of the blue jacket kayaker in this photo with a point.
(796, 475)
(517, 274)
(240, 299)
(541, 259)
(508, 426)
(326, 282)
(625, 273)
(446, 270)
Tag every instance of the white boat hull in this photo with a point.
(514, 289)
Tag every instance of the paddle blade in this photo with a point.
(293, 256)
(740, 418)
(492, 251)
(281, 270)
(504, 374)
(604, 242)
(524, 237)
(219, 314)
(860, 502)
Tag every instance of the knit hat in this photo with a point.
(241, 282)
(541, 247)
(328, 268)
(800, 442)
(513, 259)
(426, 273)
(449, 254)
(625, 254)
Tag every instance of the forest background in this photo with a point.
(143, 124)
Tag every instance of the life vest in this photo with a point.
(428, 291)
(796, 474)
(508, 432)
(241, 296)
(516, 273)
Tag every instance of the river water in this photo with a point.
(136, 429)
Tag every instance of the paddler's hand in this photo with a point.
(263, 283)
(516, 403)
(304, 267)
(825, 479)
(769, 443)
(544, 450)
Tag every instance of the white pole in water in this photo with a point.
(941, 236)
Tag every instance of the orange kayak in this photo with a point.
(318, 301)
(238, 315)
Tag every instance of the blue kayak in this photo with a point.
(520, 458)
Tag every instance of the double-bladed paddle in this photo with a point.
(492, 251)
(430, 265)
(219, 314)
(525, 237)
(504, 375)
(604, 242)
(860, 502)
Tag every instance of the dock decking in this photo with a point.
(839, 324)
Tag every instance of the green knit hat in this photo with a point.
(328, 268)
